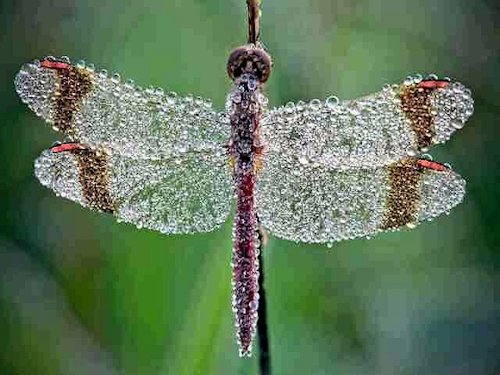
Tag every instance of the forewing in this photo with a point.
(103, 112)
(317, 204)
(378, 129)
(186, 194)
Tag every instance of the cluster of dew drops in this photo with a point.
(451, 107)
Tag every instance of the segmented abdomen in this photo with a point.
(245, 151)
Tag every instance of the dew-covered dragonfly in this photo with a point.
(315, 172)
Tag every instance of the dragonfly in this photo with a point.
(315, 172)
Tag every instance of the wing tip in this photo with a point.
(35, 87)
(59, 173)
(442, 190)
(453, 106)
(450, 104)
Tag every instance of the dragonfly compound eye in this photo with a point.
(249, 60)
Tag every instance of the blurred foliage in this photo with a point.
(81, 294)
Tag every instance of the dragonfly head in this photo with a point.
(249, 59)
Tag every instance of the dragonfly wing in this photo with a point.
(312, 203)
(378, 129)
(186, 194)
(101, 111)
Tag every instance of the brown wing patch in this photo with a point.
(416, 104)
(403, 200)
(94, 178)
(73, 85)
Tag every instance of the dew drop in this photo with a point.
(171, 97)
(315, 104)
(254, 305)
(427, 157)
(303, 160)
(252, 84)
(115, 77)
(408, 81)
(236, 98)
(332, 101)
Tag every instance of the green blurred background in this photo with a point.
(81, 294)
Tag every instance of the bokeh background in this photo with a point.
(81, 294)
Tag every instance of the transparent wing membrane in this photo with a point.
(332, 170)
(377, 129)
(317, 204)
(102, 111)
(188, 194)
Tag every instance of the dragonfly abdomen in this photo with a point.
(249, 70)
(245, 262)
(244, 121)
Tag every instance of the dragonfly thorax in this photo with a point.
(249, 59)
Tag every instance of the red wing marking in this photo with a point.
(431, 165)
(55, 65)
(439, 84)
(67, 147)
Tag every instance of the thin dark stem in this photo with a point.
(253, 20)
(265, 354)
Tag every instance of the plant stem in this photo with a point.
(265, 354)
(253, 21)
